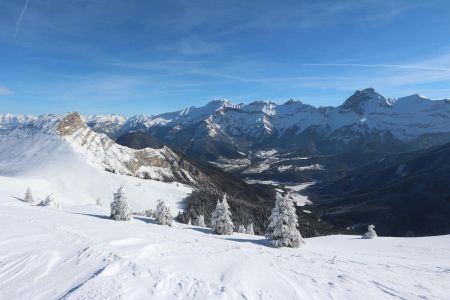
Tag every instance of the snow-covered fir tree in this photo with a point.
(119, 207)
(249, 229)
(221, 222)
(162, 213)
(370, 234)
(28, 196)
(98, 202)
(200, 221)
(50, 201)
(282, 229)
(241, 229)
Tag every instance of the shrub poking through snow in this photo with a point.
(119, 207)
(50, 201)
(200, 221)
(282, 229)
(241, 229)
(28, 196)
(221, 222)
(370, 234)
(162, 213)
(250, 229)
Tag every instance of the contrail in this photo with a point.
(20, 19)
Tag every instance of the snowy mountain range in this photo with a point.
(366, 126)
(405, 118)
(239, 137)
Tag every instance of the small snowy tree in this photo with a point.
(241, 229)
(250, 229)
(282, 229)
(149, 213)
(98, 202)
(162, 213)
(200, 221)
(50, 201)
(370, 234)
(119, 207)
(221, 222)
(28, 196)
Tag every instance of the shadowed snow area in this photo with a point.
(78, 253)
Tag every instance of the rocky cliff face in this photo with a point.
(160, 164)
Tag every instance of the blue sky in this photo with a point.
(134, 57)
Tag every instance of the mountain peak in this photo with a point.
(292, 101)
(265, 106)
(369, 91)
(416, 96)
(70, 123)
(360, 101)
(219, 101)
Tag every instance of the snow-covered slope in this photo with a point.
(48, 138)
(60, 155)
(79, 253)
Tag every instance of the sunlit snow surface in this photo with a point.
(74, 181)
(78, 253)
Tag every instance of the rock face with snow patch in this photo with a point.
(160, 164)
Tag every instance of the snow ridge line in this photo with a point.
(76, 287)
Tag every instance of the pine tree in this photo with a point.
(98, 202)
(241, 229)
(162, 213)
(221, 222)
(28, 196)
(282, 229)
(50, 201)
(200, 221)
(119, 207)
(370, 234)
(250, 229)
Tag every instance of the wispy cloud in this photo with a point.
(19, 21)
(381, 66)
(5, 91)
(193, 46)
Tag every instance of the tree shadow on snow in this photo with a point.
(17, 198)
(145, 219)
(261, 242)
(105, 217)
(200, 229)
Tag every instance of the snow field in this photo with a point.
(79, 253)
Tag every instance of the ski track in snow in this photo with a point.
(77, 253)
